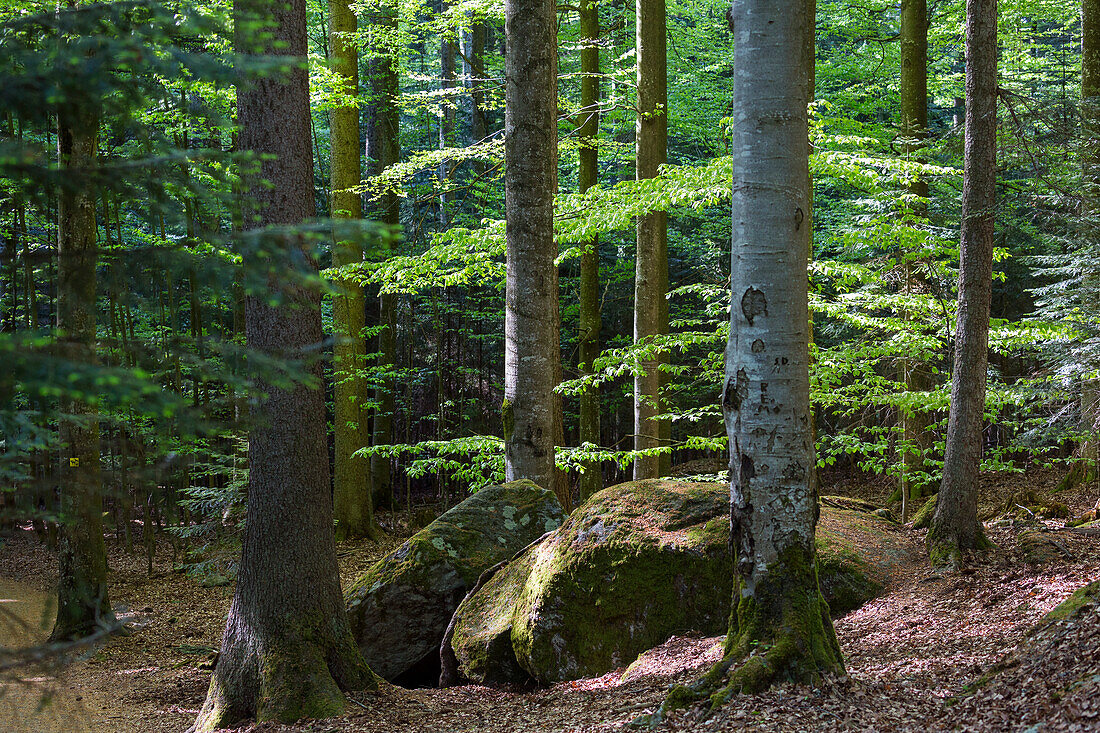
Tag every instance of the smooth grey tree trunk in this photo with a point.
(287, 652)
(955, 528)
(780, 629)
(651, 264)
(531, 410)
(766, 403)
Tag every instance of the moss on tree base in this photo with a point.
(284, 681)
(923, 518)
(946, 549)
(782, 632)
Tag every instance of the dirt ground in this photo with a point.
(906, 654)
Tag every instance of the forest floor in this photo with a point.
(907, 653)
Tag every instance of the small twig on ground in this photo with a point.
(358, 703)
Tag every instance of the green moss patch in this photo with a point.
(636, 564)
(400, 607)
(1085, 597)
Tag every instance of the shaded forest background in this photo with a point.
(171, 377)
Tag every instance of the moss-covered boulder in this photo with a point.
(400, 607)
(636, 564)
(1077, 603)
(481, 634)
(923, 518)
(856, 554)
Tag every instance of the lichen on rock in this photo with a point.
(400, 607)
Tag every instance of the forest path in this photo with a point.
(36, 699)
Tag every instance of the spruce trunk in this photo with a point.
(651, 269)
(383, 149)
(955, 528)
(287, 652)
(914, 372)
(82, 603)
(448, 48)
(1085, 469)
(588, 129)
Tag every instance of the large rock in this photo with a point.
(636, 564)
(400, 607)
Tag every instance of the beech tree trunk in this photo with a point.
(479, 125)
(766, 399)
(955, 528)
(383, 121)
(287, 652)
(532, 361)
(780, 629)
(352, 504)
(651, 270)
(914, 373)
(448, 48)
(82, 601)
(588, 127)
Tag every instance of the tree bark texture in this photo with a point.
(955, 528)
(532, 357)
(1087, 467)
(352, 503)
(382, 120)
(588, 127)
(448, 48)
(651, 268)
(287, 652)
(780, 627)
(914, 372)
(479, 124)
(1090, 89)
(82, 601)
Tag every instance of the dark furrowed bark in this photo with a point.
(588, 126)
(82, 600)
(955, 528)
(914, 373)
(287, 651)
(383, 149)
(651, 269)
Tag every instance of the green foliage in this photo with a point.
(174, 377)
